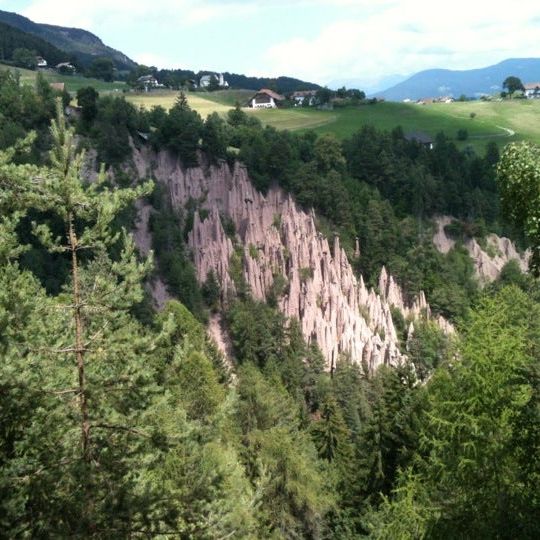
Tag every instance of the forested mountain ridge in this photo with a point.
(84, 47)
(119, 421)
(81, 43)
(12, 39)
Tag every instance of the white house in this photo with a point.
(148, 82)
(532, 90)
(206, 79)
(300, 96)
(65, 67)
(265, 99)
(41, 62)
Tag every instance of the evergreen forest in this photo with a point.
(118, 420)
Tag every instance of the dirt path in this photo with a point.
(510, 132)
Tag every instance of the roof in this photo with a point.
(209, 76)
(531, 85)
(304, 93)
(270, 93)
(419, 136)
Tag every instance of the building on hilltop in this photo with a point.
(148, 82)
(65, 67)
(206, 80)
(266, 99)
(532, 90)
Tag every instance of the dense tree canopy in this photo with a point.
(519, 183)
(120, 422)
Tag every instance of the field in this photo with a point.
(166, 99)
(204, 103)
(501, 122)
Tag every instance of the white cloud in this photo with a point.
(91, 14)
(363, 39)
(409, 36)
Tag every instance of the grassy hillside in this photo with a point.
(501, 122)
(72, 82)
(228, 97)
(166, 99)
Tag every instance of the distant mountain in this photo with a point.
(12, 39)
(472, 82)
(81, 43)
(368, 86)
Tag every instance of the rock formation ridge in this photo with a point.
(487, 263)
(276, 240)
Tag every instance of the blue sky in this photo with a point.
(317, 40)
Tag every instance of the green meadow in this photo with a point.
(72, 82)
(484, 121)
(499, 121)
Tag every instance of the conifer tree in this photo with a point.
(81, 355)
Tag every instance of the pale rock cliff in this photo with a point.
(143, 240)
(276, 238)
(487, 264)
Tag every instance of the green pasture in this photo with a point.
(484, 121)
(499, 121)
(72, 82)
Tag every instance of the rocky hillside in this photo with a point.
(276, 242)
(488, 259)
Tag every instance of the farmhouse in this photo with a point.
(265, 99)
(207, 79)
(421, 138)
(532, 90)
(147, 82)
(65, 67)
(301, 96)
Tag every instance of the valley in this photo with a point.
(221, 321)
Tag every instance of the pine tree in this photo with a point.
(81, 357)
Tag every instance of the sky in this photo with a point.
(322, 41)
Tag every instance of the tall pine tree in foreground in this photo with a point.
(75, 374)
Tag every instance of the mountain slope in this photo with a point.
(439, 82)
(85, 45)
(12, 38)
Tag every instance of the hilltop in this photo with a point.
(472, 82)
